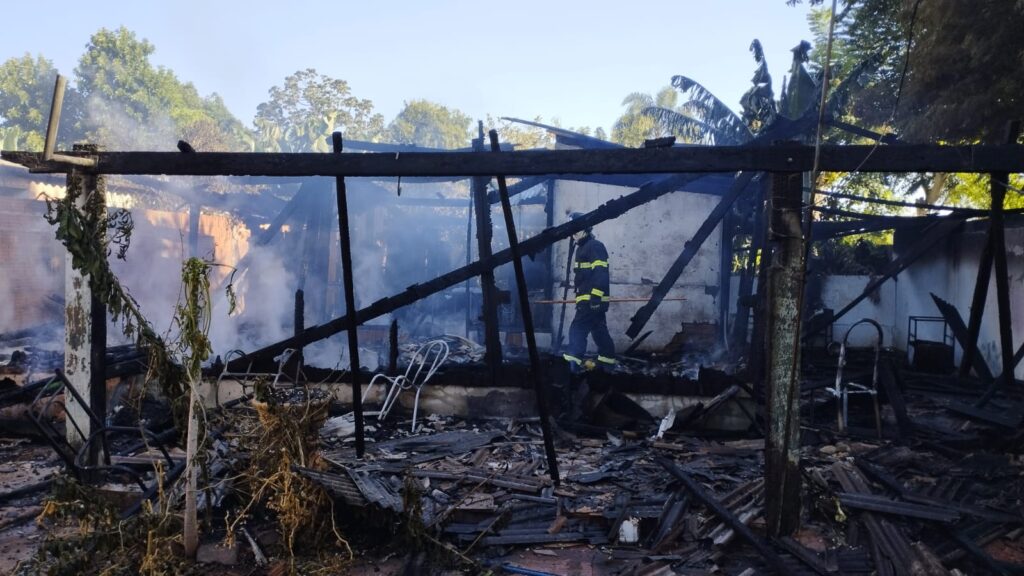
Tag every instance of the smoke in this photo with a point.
(114, 128)
(265, 303)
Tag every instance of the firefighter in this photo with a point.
(592, 295)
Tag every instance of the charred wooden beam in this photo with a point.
(1017, 357)
(763, 548)
(782, 368)
(350, 302)
(640, 319)
(956, 324)
(778, 158)
(999, 182)
(978, 301)
(484, 234)
(611, 209)
(889, 378)
(531, 340)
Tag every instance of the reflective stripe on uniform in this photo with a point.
(607, 360)
(594, 264)
(570, 358)
(583, 298)
(597, 292)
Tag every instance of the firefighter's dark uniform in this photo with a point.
(592, 295)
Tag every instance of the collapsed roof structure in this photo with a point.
(629, 495)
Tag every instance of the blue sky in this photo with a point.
(571, 60)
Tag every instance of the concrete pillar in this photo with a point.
(782, 362)
(85, 333)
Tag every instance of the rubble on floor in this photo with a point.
(940, 492)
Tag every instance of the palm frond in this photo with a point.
(708, 109)
(758, 51)
(689, 129)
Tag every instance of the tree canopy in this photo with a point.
(302, 113)
(26, 89)
(963, 80)
(132, 104)
(429, 124)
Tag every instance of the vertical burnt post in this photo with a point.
(782, 364)
(999, 182)
(978, 304)
(350, 302)
(393, 349)
(492, 340)
(985, 264)
(85, 332)
(524, 305)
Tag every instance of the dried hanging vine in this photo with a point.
(90, 233)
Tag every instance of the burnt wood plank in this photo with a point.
(786, 158)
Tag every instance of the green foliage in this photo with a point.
(83, 231)
(633, 127)
(302, 113)
(963, 81)
(975, 191)
(86, 536)
(26, 89)
(426, 123)
(131, 104)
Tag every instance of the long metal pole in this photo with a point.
(350, 302)
(524, 305)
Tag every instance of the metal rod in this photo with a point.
(524, 304)
(350, 302)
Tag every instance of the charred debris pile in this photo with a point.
(788, 457)
(913, 481)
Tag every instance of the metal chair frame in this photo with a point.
(843, 389)
(436, 353)
(248, 378)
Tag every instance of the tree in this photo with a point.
(429, 124)
(303, 112)
(131, 104)
(26, 92)
(946, 72)
(633, 127)
(963, 80)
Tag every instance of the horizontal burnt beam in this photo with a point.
(774, 158)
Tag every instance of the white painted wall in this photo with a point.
(642, 244)
(949, 271)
